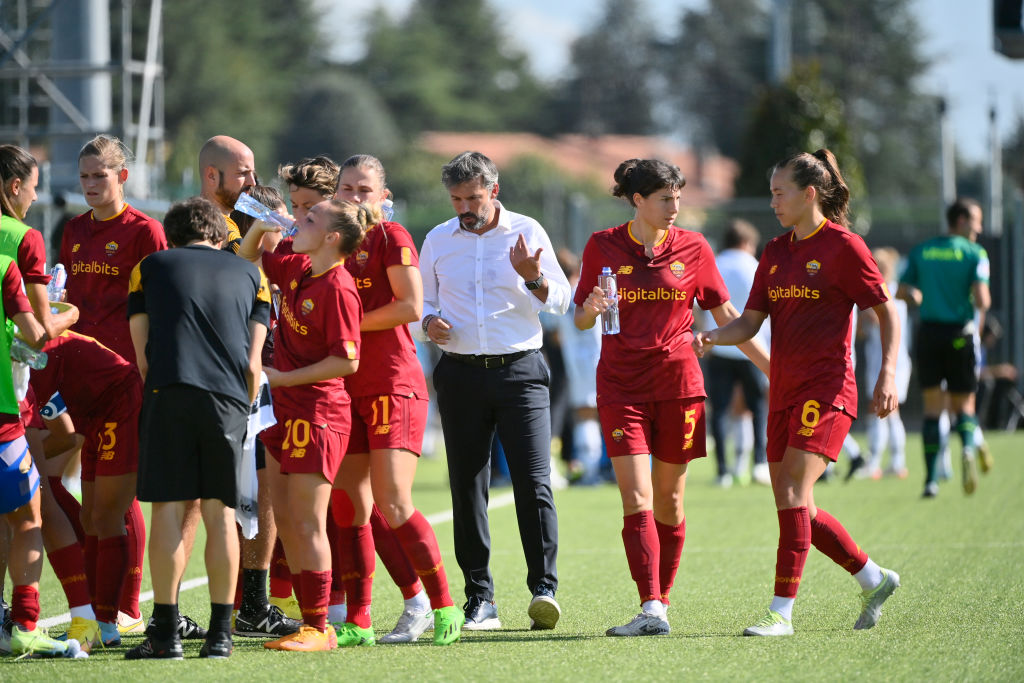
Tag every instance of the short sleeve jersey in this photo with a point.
(89, 376)
(234, 237)
(651, 358)
(809, 288)
(199, 301)
(945, 269)
(99, 257)
(319, 317)
(387, 363)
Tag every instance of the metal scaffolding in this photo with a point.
(63, 74)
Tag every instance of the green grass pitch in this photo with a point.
(958, 616)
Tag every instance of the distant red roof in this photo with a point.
(710, 179)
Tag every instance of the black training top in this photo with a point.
(199, 301)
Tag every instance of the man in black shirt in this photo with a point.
(198, 319)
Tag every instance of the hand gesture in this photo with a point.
(702, 343)
(527, 266)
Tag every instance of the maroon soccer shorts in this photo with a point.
(672, 431)
(112, 441)
(390, 421)
(809, 426)
(301, 446)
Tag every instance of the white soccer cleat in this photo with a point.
(872, 600)
(411, 625)
(643, 624)
(771, 624)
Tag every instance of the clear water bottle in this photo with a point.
(610, 318)
(55, 290)
(252, 207)
(387, 210)
(23, 353)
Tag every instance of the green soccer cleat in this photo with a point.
(36, 643)
(872, 600)
(350, 635)
(771, 624)
(448, 625)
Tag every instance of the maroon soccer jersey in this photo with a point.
(90, 377)
(809, 288)
(319, 317)
(32, 259)
(99, 257)
(651, 358)
(387, 363)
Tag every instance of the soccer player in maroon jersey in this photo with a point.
(650, 390)
(99, 248)
(808, 280)
(317, 345)
(102, 392)
(389, 415)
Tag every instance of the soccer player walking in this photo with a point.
(808, 281)
(947, 276)
(650, 389)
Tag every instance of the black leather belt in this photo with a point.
(490, 361)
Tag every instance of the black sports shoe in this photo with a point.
(272, 622)
(218, 645)
(155, 649)
(187, 629)
(481, 614)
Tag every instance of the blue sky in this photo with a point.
(958, 38)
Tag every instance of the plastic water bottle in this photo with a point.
(387, 210)
(23, 353)
(55, 290)
(610, 318)
(254, 208)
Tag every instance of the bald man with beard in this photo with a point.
(227, 169)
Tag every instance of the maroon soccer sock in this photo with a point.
(297, 588)
(794, 543)
(111, 564)
(89, 555)
(135, 525)
(316, 585)
(342, 509)
(25, 607)
(642, 553)
(69, 505)
(391, 551)
(831, 538)
(280, 574)
(358, 573)
(69, 566)
(670, 540)
(420, 545)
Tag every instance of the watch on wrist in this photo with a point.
(426, 322)
(535, 284)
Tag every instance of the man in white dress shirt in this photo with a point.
(487, 274)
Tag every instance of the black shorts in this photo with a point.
(190, 445)
(946, 352)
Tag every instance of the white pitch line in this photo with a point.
(436, 518)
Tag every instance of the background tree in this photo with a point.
(867, 52)
(614, 72)
(716, 67)
(232, 68)
(448, 66)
